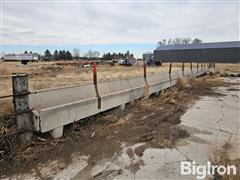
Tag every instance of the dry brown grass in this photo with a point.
(221, 157)
(225, 68)
(53, 75)
(44, 75)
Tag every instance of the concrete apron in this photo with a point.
(211, 121)
(207, 134)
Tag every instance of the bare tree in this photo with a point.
(88, 54)
(197, 41)
(76, 53)
(179, 41)
(92, 54)
(96, 54)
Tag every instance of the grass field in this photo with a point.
(44, 75)
(51, 74)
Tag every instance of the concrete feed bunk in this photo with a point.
(54, 108)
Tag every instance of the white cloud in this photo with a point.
(36, 23)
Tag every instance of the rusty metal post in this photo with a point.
(170, 68)
(144, 70)
(146, 88)
(170, 73)
(191, 67)
(94, 67)
(21, 106)
(183, 69)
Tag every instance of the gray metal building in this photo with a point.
(21, 57)
(219, 52)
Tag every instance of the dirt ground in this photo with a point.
(152, 120)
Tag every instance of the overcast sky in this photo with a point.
(108, 24)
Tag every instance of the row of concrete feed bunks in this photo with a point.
(54, 108)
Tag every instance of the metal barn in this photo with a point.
(219, 52)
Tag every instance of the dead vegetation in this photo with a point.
(221, 157)
(44, 75)
(153, 121)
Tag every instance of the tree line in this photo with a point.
(110, 56)
(57, 55)
(66, 55)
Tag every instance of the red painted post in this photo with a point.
(144, 70)
(94, 68)
(94, 73)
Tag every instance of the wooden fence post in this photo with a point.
(21, 106)
(197, 66)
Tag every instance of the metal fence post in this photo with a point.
(146, 88)
(170, 68)
(21, 106)
(144, 71)
(95, 84)
(191, 67)
(183, 69)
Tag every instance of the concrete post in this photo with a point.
(57, 132)
(21, 106)
(122, 107)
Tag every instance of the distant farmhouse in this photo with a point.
(23, 58)
(129, 61)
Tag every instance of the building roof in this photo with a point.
(230, 44)
(30, 56)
